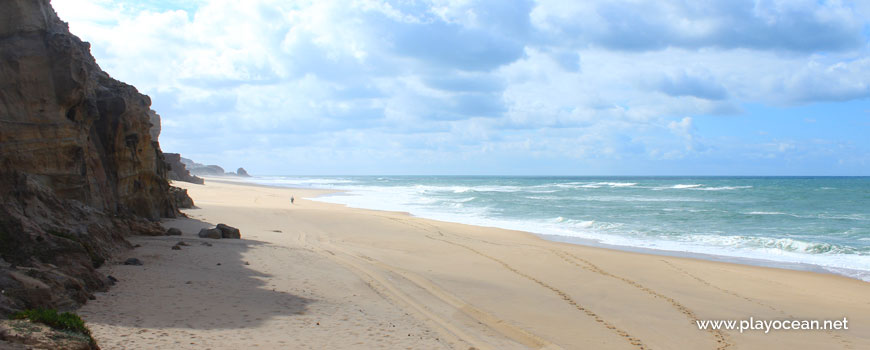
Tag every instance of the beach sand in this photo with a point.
(314, 275)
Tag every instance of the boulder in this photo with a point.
(212, 233)
(229, 231)
(181, 198)
(173, 232)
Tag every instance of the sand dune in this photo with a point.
(320, 276)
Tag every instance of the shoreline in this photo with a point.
(852, 273)
(305, 273)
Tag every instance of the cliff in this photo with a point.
(178, 170)
(79, 167)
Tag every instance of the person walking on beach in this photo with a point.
(291, 199)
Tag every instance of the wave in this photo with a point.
(723, 188)
(571, 185)
(700, 187)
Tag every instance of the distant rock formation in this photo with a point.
(80, 166)
(210, 170)
(178, 170)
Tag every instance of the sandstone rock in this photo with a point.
(178, 170)
(242, 172)
(173, 232)
(81, 133)
(212, 233)
(229, 231)
(181, 198)
(154, 119)
(133, 261)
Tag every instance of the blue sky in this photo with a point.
(765, 87)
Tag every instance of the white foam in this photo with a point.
(686, 186)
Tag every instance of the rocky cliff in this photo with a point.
(178, 170)
(79, 168)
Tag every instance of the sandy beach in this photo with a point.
(313, 275)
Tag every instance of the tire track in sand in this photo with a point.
(721, 341)
(723, 290)
(847, 344)
(567, 298)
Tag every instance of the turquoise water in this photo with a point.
(820, 221)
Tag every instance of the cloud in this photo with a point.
(466, 82)
(801, 26)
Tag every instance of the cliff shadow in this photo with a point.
(205, 284)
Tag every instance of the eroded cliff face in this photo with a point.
(78, 166)
(82, 133)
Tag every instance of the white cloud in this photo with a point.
(459, 79)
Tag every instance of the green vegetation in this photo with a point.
(66, 321)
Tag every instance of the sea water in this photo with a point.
(801, 222)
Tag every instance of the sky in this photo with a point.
(494, 87)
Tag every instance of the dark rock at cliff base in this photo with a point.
(173, 232)
(133, 261)
(212, 233)
(242, 172)
(229, 231)
(181, 198)
(79, 168)
(178, 171)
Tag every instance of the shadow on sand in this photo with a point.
(207, 284)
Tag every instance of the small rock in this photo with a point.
(92, 297)
(112, 279)
(207, 244)
(247, 263)
(133, 261)
(229, 231)
(176, 247)
(188, 282)
(137, 246)
(212, 233)
(182, 243)
(173, 232)
(218, 264)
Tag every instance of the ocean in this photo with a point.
(811, 223)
